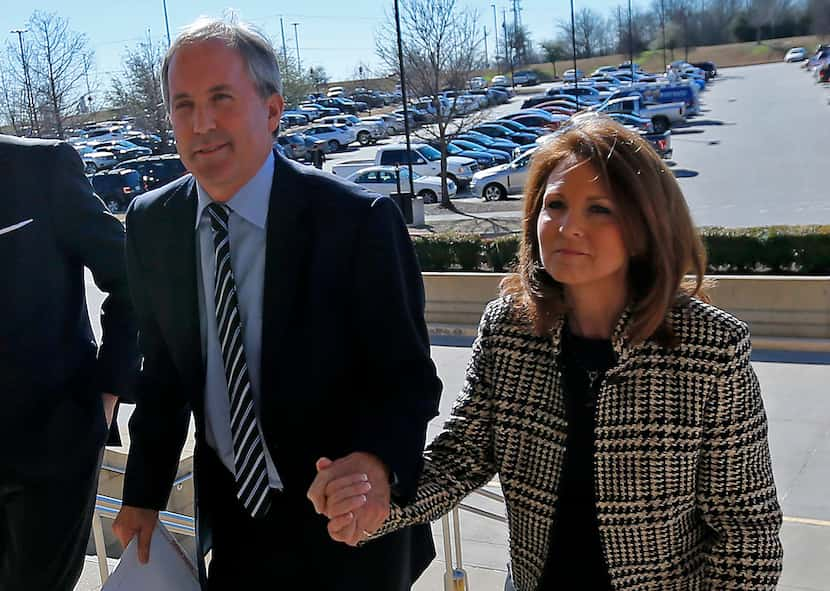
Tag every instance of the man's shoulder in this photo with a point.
(20, 147)
(324, 189)
(156, 202)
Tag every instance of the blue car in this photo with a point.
(501, 156)
(502, 132)
(521, 127)
(488, 142)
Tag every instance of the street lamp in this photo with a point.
(166, 22)
(29, 97)
(403, 97)
(297, 43)
(495, 36)
(573, 46)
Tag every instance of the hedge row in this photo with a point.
(765, 250)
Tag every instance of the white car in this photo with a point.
(96, 160)
(796, 54)
(383, 180)
(335, 136)
(394, 124)
(500, 181)
(499, 81)
(368, 132)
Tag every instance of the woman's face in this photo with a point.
(580, 237)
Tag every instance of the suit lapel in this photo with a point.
(286, 250)
(180, 274)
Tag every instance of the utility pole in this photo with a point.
(404, 99)
(284, 52)
(486, 53)
(663, 25)
(619, 28)
(297, 43)
(516, 26)
(573, 42)
(508, 55)
(630, 43)
(33, 125)
(166, 22)
(496, 36)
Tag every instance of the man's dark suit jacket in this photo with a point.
(52, 372)
(345, 351)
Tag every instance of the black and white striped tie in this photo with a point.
(252, 485)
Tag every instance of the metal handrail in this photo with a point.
(109, 506)
(455, 577)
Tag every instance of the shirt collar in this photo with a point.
(251, 201)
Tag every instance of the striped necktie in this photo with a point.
(252, 487)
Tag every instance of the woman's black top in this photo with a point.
(575, 559)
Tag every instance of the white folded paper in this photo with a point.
(169, 568)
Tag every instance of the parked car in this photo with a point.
(477, 82)
(539, 119)
(335, 91)
(484, 159)
(155, 171)
(394, 124)
(292, 119)
(386, 180)
(499, 81)
(572, 75)
(498, 95)
(121, 149)
(796, 54)
(488, 142)
(424, 158)
(501, 132)
(500, 181)
(96, 160)
(368, 132)
(638, 123)
(525, 78)
(663, 116)
(336, 136)
(117, 188)
(500, 156)
(709, 67)
(293, 145)
(520, 127)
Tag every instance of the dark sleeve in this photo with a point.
(158, 426)
(736, 494)
(389, 307)
(90, 234)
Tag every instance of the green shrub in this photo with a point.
(434, 252)
(502, 253)
(467, 251)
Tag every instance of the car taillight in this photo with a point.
(661, 144)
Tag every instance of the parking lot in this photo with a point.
(756, 155)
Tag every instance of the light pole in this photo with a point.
(630, 43)
(29, 98)
(297, 43)
(486, 53)
(495, 36)
(573, 46)
(403, 98)
(166, 22)
(663, 26)
(284, 52)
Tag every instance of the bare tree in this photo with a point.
(554, 51)
(440, 50)
(58, 67)
(137, 90)
(588, 25)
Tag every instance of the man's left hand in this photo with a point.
(109, 401)
(364, 517)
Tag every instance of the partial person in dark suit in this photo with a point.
(58, 388)
(285, 309)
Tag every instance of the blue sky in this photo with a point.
(338, 35)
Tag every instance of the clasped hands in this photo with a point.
(354, 493)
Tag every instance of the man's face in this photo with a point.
(223, 128)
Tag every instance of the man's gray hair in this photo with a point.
(256, 51)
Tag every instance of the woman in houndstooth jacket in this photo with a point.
(619, 409)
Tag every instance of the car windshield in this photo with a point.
(430, 153)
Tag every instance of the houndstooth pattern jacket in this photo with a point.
(684, 486)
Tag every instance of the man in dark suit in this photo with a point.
(57, 387)
(284, 308)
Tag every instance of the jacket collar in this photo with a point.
(620, 336)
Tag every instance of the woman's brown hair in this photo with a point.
(657, 227)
